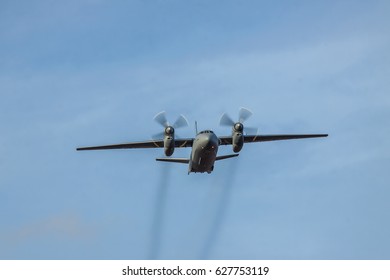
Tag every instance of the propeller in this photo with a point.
(161, 118)
(243, 115)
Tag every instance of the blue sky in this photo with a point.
(79, 73)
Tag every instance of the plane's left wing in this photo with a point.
(227, 140)
(179, 143)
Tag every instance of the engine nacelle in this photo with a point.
(169, 145)
(169, 141)
(237, 137)
(237, 141)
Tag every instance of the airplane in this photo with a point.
(205, 144)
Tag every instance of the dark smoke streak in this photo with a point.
(159, 211)
(220, 214)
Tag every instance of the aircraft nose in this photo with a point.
(209, 142)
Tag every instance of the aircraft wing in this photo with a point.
(227, 140)
(179, 143)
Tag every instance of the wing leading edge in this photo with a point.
(179, 143)
(227, 140)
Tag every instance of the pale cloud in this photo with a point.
(63, 226)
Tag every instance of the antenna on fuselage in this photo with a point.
(196, 127)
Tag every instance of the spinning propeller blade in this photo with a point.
(161, 118)
(180, 122)
(243, 115)
(226, 120)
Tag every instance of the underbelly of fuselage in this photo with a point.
(203, 160)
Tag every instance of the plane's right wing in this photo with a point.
(264, 138)
(227, 140)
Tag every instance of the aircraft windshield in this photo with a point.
(206, 131)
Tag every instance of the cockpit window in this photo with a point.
(206, 131)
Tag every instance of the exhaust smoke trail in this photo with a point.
(159, 211)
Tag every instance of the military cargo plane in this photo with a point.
(205, 144)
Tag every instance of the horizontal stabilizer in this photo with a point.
(177, 160)
(226, 156)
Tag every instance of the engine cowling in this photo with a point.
(237, 142)
(169, 140)
(237, 137)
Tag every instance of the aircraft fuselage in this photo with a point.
(204, 152)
